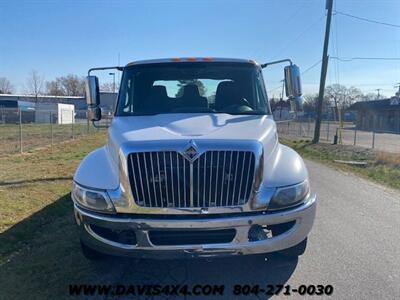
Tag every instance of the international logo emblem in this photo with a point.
(191, 152)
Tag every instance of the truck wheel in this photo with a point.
(295, 251)
(90, 253)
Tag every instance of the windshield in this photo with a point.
(233, 88)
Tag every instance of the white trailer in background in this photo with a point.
(58, 113)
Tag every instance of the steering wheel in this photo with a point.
(242, 106)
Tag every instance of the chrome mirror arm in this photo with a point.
(119, 68)
(276, 62)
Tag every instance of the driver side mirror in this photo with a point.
(93, 98)
(293, 87)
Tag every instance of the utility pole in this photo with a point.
(324, 68)
(379, 95)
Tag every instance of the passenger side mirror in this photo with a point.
(293, 87)
(93, 98)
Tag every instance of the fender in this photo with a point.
(284, 167)
(97, 171)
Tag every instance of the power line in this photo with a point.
(302, 73)
(371, 84)
(311, 67)
(287, 22)
(292, 41)
(347, 59)
(278, 87)
(366, 19)
(275, 88)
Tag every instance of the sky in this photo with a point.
(62, 37)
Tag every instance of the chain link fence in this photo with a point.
(25, 130)
(347, 134)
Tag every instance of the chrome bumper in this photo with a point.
(302, 215)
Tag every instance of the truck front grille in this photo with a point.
(214, 179)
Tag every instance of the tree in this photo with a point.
(311, 101)
(54, 88)
(109, 87)
(5, 86)
(70, 85)
(34, 83)
(372, 97)
(73, 85)
(272, 103)
(183, 83)
(341, 96)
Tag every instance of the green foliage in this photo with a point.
(183, 83)
(38, 237)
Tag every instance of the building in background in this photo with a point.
(9, 111)
(56, 113)
(107, 100)
(379, 115)
(28, 104)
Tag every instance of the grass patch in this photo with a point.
(382, 167)
(38, 237)
(30, 181)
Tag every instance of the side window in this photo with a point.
(127, 97)
(262, 95)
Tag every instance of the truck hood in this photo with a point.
(282, 166)
(190, 126)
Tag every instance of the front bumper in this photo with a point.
(303, 217)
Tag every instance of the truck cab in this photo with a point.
(193, 166)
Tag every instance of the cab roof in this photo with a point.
(191, 59)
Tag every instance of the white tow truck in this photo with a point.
(193, 166)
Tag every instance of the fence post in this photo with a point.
(72, 125)
(87, 122)
(373, 131)
(373, 139)
(288, 128)
(335, 137)
(300, 128)
(51, 129)
(327, 132)
(355, 136)
(20, 130)
(308, 129)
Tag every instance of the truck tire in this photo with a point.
(296, 250)
(90, 253)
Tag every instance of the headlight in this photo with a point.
(92, 199)
(289, 195)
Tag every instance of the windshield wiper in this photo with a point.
(253, 113)
(138, 114)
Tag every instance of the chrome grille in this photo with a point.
(214, 179)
